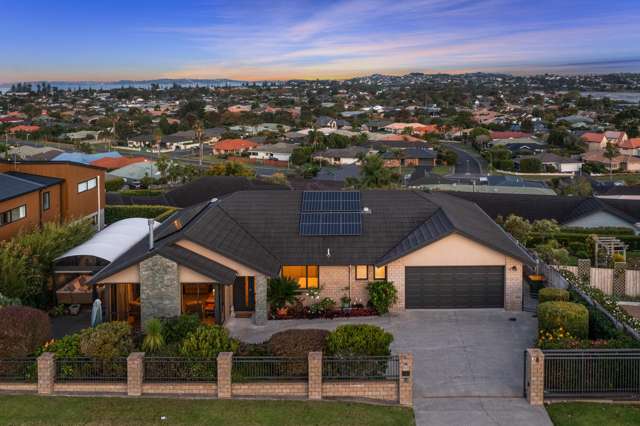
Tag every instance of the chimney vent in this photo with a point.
(151, 223)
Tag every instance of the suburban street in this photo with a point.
(467, 163)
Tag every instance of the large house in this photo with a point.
(214, 258)
(35, 192)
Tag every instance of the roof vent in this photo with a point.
(366, 210)
(151, 223)
(328, 253)
(213, 200)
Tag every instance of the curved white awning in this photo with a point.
(113, 240)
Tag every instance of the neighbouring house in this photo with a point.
(280, 151)
(239, 108)
(82, 158)
(581, 212)
(615, 138)
(630, 147)
(411, 157)
(621, 193)
(22, 128)
(416, 128)
(557, 163)
(132, 174)
(36, 153)
(233, 146)
(594, 141)
(509, 135)
(112, 163)
(35, 192)
(214, 259)
(341, 156)
(331, 123)
(620, 162)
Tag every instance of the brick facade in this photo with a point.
(513, 285)
(388, 391)
(534, 374)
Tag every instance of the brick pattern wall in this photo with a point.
(534, 373)
(513, 285)
(378, 390)
(388, 391)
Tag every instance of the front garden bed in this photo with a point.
(307, 313)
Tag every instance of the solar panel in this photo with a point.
(330, 201)
(330, 213)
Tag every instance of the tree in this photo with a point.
(230, 168)
(553, 253)
(530, 165)
(578, 187)
(374, 174)
(545, 226)
(611, 152)
(163, 165)
(519, 227)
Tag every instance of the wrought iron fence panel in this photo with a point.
(361, 368)
(91, 370)
(24, 370)
(175, 369)
(248, 368)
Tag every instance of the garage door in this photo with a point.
(454, 287)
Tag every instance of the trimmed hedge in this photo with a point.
(359, 340)
(113, 214)
(553, 295)
(566, 238)
(114, 185)
(571, 317)
(141, 192)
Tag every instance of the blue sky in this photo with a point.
(250, 39)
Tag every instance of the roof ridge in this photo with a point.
(39, 185)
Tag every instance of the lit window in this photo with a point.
(307, 276)
(380, 273)
(46, 200)
(362, 272)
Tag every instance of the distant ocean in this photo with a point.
(96, 85)
(631, 97)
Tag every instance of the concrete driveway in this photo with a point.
(468, 364)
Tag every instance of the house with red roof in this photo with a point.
(615, 138)
(630, 147)
(24, 129)
(594, 141)
(233, 146)
(508, 135)
(112, 163)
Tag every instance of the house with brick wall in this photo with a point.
(214, 258)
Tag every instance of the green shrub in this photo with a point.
(175, 329)
(115, 213)
(207, 341)
(114, 184)
(67, 347)
(7, 301)
(106, 341)
(568, 316)
(281, 291)
(359, 340)
(297, 343)
(553, 294)
(382, 295)
(22, 330)
(153, 340)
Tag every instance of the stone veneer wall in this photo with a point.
(159, 288)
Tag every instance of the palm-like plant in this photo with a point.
(153, 339)
(281, 291)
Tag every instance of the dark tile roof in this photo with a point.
(201, 264)
(14, 184)
(562, 209)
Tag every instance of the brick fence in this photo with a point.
(397, 390)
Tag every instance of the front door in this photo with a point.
(244, 298)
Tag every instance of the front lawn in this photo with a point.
(588, 413)
(128, 411)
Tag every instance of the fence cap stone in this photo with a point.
(47, 356)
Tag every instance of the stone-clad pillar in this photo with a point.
(619, 278)
(46, 373)
(159, 288)
(261, 308)
(315, 375)
(535, 376)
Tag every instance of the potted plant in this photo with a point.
(345, 303)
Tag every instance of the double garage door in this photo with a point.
(435, 287)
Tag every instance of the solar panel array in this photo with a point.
(330, 213)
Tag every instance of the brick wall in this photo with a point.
(534, 375)
(390, 391)
(513, 285)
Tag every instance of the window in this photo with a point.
(307, 276)
(380, 273)
(46, 200)
(13, 215)
(362, 272)
(87, 185)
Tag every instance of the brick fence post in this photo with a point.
(535, 376)
(315, 375)
(46, 373)
(225, 361)
(405, 385)
(135, 373)
(584, 271)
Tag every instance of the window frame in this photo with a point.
(375, 276)
(366, 272)
(46, 200)
(306, 277)
(8, 215)
(88, 185)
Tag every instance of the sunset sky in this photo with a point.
(243, 39)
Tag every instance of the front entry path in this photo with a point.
(468, 364)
